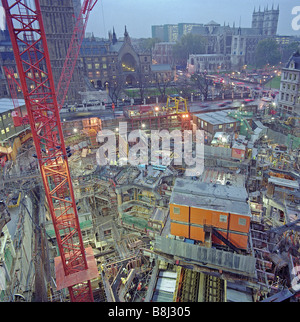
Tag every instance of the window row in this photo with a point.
(289, 86)
(290, 76)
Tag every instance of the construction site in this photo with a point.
(74, 230)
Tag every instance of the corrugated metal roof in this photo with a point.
(161, 67)
(211, 196)
(217, 117)
(209, 257)
(6, 104)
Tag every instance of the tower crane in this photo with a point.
(73, 51)
(76, 266)
(69, 63)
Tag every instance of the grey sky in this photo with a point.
(140, 15)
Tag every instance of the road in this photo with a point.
(103, 114)
(196, 106)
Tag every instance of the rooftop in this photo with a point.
(6, 104)
(215, 118)
(212, 196)
(161, 67)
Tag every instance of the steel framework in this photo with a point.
(73, 51)
(76, 265)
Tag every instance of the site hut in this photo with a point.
(201, 211)
(214, 122)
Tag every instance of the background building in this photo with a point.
(265, 22)
(239, 42)
(289, 96)
(59, 21)
(106, 61)
(210, 63)
(162, 53)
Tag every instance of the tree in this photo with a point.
(162, 83)
(267, 52)
(184, 88)
(287, 51)
(146, 44)
(115, 88)
(142, 82)
(202, 84)
(189, 44)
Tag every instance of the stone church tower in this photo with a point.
(59, 22)
(266, 21)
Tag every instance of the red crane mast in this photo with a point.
(76, 266)
(73, 51)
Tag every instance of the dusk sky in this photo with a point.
(140, 15)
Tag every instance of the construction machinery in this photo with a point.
(76, 266)
(292, 121)
(178, 103)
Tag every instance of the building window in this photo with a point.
(176, 210)
(242, 221)
(223, 218)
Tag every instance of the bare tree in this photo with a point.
(115, 88)
(202, 84)
(141, 83)
(184, 87)
(162, 83)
